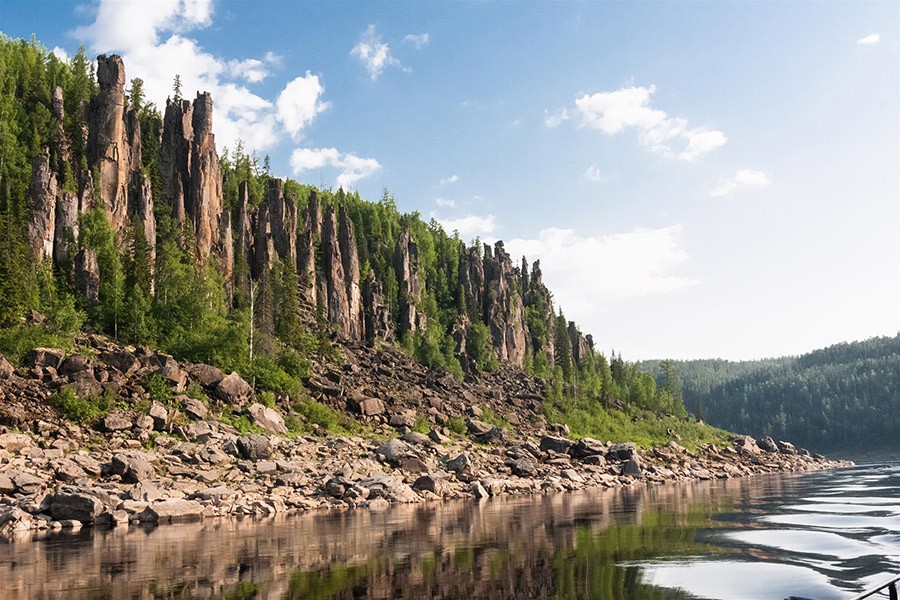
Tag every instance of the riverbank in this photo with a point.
(46, 483)
(111, 435)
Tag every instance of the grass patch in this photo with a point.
(17, 342)
(421, 425)
(81, 410)
(159, 388)
(311, 412)
(644, 428)
(457, 425)
(492, 418)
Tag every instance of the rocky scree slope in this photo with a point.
(152, 462)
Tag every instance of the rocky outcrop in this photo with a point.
(350, 260)
(42, 193)
(539, 298)
(337, 304)
(504, 307)
(65, 234)
(113, 144)
(379, 327)
(87, 275)
(308, 238)
(190, 173)
(406, 266)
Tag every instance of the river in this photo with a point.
(823, 535)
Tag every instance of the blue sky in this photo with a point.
(698, 179)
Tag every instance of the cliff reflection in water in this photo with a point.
(564, 546)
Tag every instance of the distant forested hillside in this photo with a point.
(844, 396)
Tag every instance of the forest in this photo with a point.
(156, 286)
(846, 396)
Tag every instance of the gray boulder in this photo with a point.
(392, 451)
(174, 510)
(132, 467)
(267, 418)
(559, 445)
(233, 389)
(75, 506)
(254, 447)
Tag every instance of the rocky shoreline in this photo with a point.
(149, 463)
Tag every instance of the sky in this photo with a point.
(698, 179)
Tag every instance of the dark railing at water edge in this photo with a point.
(888, 588)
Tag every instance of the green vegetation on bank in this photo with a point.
(843, 396)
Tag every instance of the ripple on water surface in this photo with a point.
(732, 579)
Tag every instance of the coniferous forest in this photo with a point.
(843, 396)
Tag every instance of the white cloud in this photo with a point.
(552, 120)
(299, 103)
(629, 108)
(869, 40)
(470, 226)
(587, 273)
(353, 168)
(374, 54)
(250, 69)
(445, 202)
(594, 174)
(152, 39)
(449, 180)
(742, 179)
(60, 53)
(418, 40)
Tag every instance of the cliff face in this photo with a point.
(317, 240)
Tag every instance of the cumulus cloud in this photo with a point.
(470, 226)
(374, 54)
(552, 120)
(587, 273)
(745, 178)
(153, 39)
(445, 202)
(418, 40)
(448, 180)
(352, 167)
(629, 108)
(299, 102)
(869, 40)
(60, 53)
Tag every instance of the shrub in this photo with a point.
(159, 388)
(81, 410)
(456, 425)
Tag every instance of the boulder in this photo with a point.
(233, 389)
(406, 418)
(523, 467)
(587, 447)
(77, 506)
(74, 364)
(746, 445)
(13, 442)
(392, 451)
(494, 435)
(207, 375)
(67, 470)
(419, 439)
(14, 520)
(432, 483)
(122, 361)
(114, 422)
(6, 369)
(25, 483)
(160, 416)
(267, 418)
(199, 431)
(44, 357)
(132, 467)
(787, 448)
(476, 427)
(366, 406)
(767, 444)
(624, 451)
(173, 510)
(632, 467)
(254, 447)
(477, 490)
(460, 463)
(193, 408)
(558, 445)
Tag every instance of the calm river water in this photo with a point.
(821, 535)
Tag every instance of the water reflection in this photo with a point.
(731, 539)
